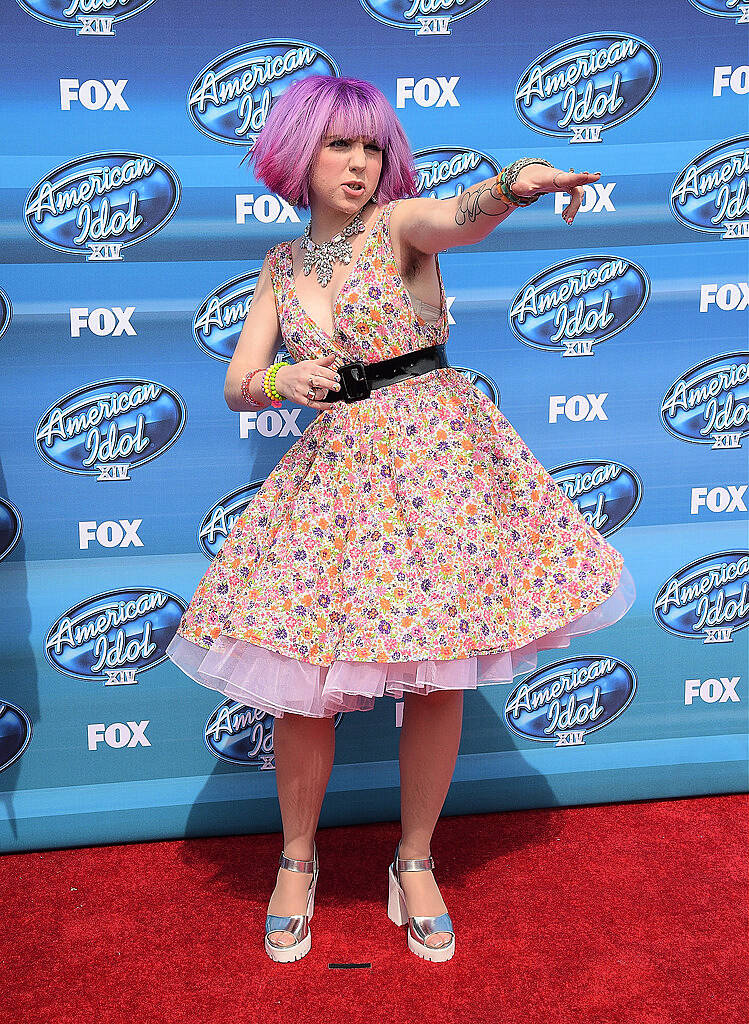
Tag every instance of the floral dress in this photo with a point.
(409, 541)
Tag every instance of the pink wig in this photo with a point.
(319, 105)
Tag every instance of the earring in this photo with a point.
(374, 198)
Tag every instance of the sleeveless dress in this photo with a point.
(406, 542)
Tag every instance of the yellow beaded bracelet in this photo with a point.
(269, 384)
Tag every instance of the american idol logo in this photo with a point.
(110, 427)
(102, 203)
(709, 404)
(219, 318)
(11, 527)
(606, 494)
(87, 17)
(711, 194)
(221, 517)
(6, 312)
(444, 172)
(708, 598)
(243, 735)
(563, 702)
(724, 9)
(578, 303)
(230, 98)
(423, 17)
(15, 733)
(114, 635)
(588, 84)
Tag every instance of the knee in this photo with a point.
(435, 697)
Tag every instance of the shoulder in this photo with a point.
(392, 216)
(411, 207)
(393, 205)
(424, 224)
(276, 250)
(274, 258)
(402, 215)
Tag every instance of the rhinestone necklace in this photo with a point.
(322, 255)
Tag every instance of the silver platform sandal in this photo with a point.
(297, 924)
(419, 927)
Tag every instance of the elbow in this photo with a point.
(228, 397)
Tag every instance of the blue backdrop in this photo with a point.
(131, 242)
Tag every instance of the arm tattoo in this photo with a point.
(472, 202)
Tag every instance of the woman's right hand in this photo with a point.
(292, 381)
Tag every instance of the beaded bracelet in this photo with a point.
(509, 195)
(509, 174)
(245, 389)
(269, 384)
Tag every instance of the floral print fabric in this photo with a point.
(409, 541)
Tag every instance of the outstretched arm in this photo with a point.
(433, 225)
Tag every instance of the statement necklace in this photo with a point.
(322, 255)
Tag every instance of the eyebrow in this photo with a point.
(348, 138)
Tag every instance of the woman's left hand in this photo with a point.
(537, 179)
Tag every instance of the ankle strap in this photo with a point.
(306, 866)
(416, 864)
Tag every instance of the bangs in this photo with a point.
(353, 118)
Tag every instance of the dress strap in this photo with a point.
(276, 271)
(387, 210)
(271, 258)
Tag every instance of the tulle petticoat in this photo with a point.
(275, 683)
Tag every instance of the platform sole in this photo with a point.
(398, 914)
(289, 954)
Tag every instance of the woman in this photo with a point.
(408, 543)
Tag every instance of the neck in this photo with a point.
(326, 222)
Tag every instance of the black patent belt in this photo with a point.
(359, 379)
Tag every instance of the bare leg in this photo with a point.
(429, 741)
(304, 749)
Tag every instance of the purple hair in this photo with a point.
(310, 109)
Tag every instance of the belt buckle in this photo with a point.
(354, 378)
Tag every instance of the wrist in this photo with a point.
(530, 191)
(251, 389)
(272, 393)
(279, 376)
(525, 186)
(511, 196)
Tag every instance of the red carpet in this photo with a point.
(593, 915)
